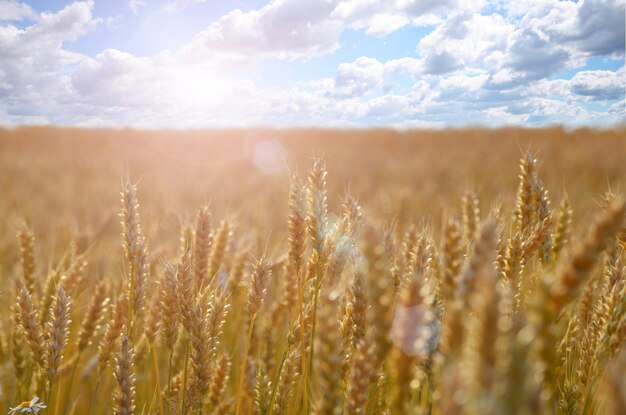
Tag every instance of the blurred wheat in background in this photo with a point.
(312, 271)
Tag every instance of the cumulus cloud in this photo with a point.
(283, 29)
(135, 5)
(363, 10)
(600, 27)
(441, 63)
(538, 39)
(358, 77)
(33, 59)
(406, 65)
(13, 10)
(288, 29)
(382, 17)
(383, 24)
(619, 109)
(599, 85)
(463, 40)
(594, 27)
(114, 78)
(553, 36)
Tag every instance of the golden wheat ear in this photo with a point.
(124, 373)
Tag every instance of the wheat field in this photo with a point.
(466, 271)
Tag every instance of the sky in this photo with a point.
(324, 63)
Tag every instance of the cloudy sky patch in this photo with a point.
(346, 63)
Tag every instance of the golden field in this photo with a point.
(313, 271)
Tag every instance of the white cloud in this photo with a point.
(409, 66)
(463, 82)
(382, 17)
(13, 10)
(599, 85)
(619, 109)
(383, 24)
(358, 77)
(175, 5)
(283, 29)
(389, 107)
(428, 19)
(135, 5)
(33, 59)
(116, 79)
(535, 40)
(357, 10)
(545, 87)
(288, 29)
(601, 27)
(553, 36)
(463, 40)
(501, 115)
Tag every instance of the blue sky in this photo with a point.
(343, 63)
